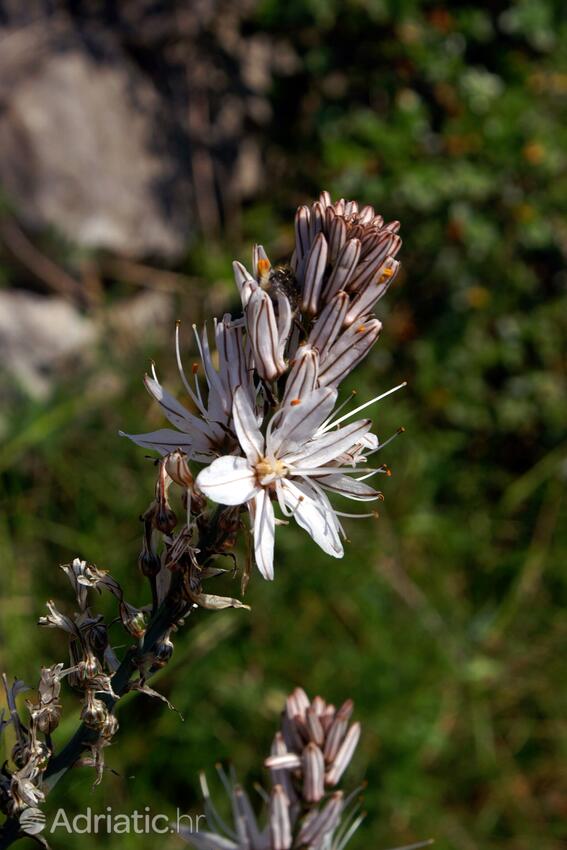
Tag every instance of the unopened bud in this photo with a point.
(313, 773)
(280, 822)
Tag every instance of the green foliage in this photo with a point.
(444, 620)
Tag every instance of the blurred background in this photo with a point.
(143, 146)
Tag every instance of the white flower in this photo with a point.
(300, 457)
(209, 433)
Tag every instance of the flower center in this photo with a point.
(268, 470)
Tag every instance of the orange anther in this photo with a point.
(295, 401)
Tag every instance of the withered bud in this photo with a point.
(94, 713)
(48, 718)
(98, 638)
(41, 755)
(133, 619)
(178, 470)
(88, 667)
(110, 727)
(20, 753)
(162, 653)
(149, 562)
(195, 500)
(164, 518)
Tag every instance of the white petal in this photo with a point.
(315, 517)
(244, 281)
(246, 426)
(322, 450)
(229, 480)
(164, 440)
(299, 423)
(264, 534)
(347, 486)
(285, 318)
(174, 411)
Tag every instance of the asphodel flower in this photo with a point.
(298, 460)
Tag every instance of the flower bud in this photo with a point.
(313, 773)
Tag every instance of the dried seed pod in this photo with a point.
(48, 718)
(149, 562)
(165, 519)
(162, 653)
(94, 713)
